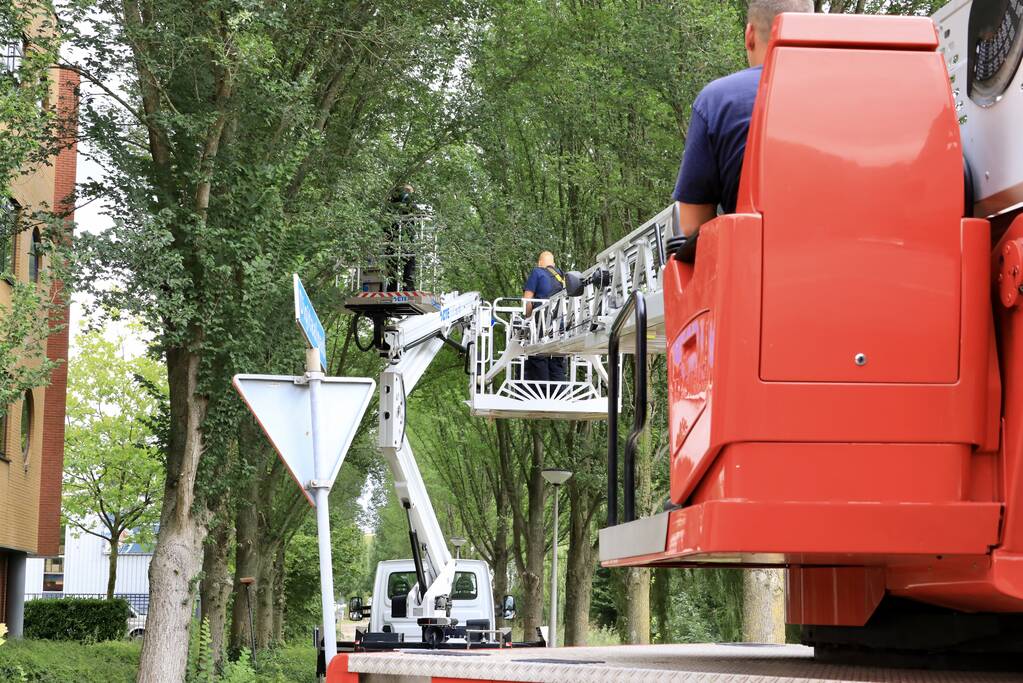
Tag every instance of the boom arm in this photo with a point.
(413, 344)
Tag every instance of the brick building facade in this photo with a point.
(32, 433)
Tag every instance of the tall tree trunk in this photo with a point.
(763, 606)
(278, 610)
(112, 566)
(177, 560)
(536, 543)
(637, 605)
(660, 589)
(246, 565)
(266, 579)
(637, 580)
(579, 569)
(215, 586)
(499, 561)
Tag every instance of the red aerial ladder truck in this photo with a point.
(843, 354)
(841, 351)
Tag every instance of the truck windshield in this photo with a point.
(463, 587)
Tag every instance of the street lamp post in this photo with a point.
(458, 542)
(247, 581)
(555, 478)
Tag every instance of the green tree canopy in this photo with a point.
(113, 464)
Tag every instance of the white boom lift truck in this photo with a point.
(431, 598)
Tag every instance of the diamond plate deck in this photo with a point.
(736, 663)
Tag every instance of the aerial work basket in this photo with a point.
(402, 276)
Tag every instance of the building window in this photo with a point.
(35, 256)
(53, 574)
(44, 99)
(3, 435)
(27, 417)
(13, 50)
(8, 237)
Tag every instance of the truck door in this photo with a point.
(398, 584)
(471, 599)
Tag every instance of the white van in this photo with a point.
(472, 598)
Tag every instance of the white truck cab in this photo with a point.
(472, 598)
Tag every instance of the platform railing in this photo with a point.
(636, 305)
(497, 364)
(633, 263)
(411, 237)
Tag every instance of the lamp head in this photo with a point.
(556, 477)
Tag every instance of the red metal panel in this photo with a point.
(338, 671)
(834, 596)
(861, 202)
(742, 408)
(855, 31)
(838, 472)
(1010, 337)
(689, 373)
(848, 529)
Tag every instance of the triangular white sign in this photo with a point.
(280, 404)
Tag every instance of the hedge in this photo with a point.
(45, 661)
(41, 661)
(78, 619)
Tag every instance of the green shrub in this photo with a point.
(43, 661)
(79, 619)
(200, 667)
(240, 670)
(287, 664)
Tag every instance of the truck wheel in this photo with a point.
(433, 636)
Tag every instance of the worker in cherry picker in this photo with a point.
(544, 281)
(401, 241)
(708, 179)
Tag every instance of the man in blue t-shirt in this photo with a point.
(543, 282)
(716, 140)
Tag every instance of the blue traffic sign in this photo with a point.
(309, 322)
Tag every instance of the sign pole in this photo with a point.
(321, 493)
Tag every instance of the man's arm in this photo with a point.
(528, 294)
(692, 216)
(530, 287)
(698, 188)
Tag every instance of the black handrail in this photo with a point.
(636, 303)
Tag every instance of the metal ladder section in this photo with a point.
(502, 336)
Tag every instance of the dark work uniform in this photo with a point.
(543, 284)
(716, 141)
